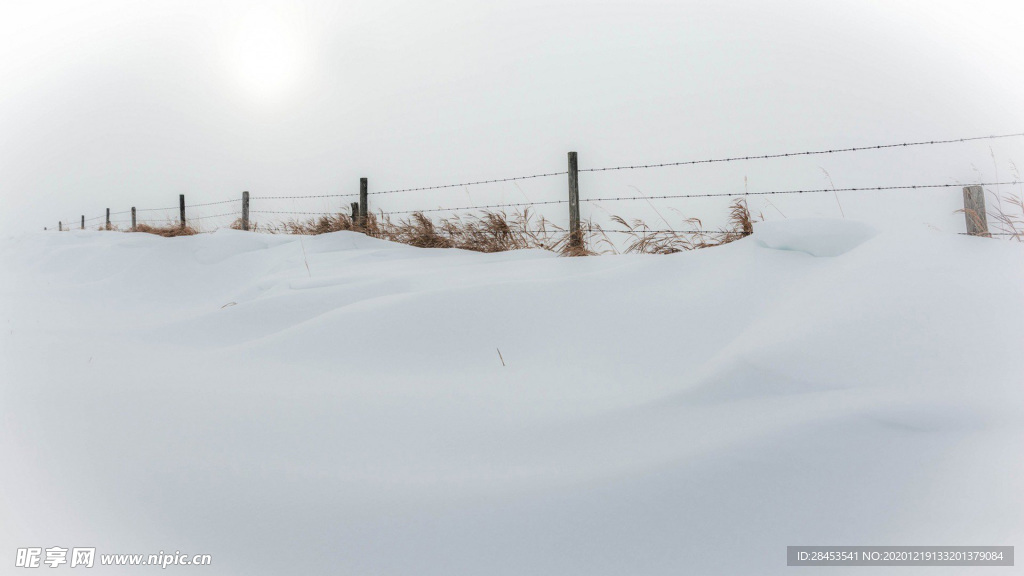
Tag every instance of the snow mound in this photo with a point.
(817, 237)
(373, 408)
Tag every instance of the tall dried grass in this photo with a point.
(1008, 217)
(1007, 213)
(308, 227)
(501, 231)
(641, 239)
(486, 231)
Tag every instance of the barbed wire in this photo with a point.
(320, 213)
(301, 197)
(612, 199)
(439, 187)
(236, 213)
(213, 203)
(811, 191)
(806, 153)
(71, 223)
(157, 209)
(480, 207)
(78, 221)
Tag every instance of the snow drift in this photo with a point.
(337, 404)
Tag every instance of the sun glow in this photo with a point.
(266, 55)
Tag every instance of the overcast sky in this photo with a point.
(119, 104)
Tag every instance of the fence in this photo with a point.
(973, 196)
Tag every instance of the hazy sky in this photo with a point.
(117, 103)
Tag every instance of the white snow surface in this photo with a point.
(817, 237)
(685, 414)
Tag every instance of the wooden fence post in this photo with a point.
(108, 219)
(355, 212)
(245, 210)
(974, 211)
(575, 236)
(181, 208)
(83, 221)
(60, 226)
(363, 201)
(134, 228)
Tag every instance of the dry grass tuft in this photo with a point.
(309, 227)
(486, 231)
(641, 239)
(168, 230)
(740, 220)
(1008, 217)
(416, 230)
(1007, 214)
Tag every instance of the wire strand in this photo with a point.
(213, 216)
(321, 213)
(212, 203)
(156, 209)
(812, 191)
(469, 183)
(807, 153)
(481, 207)
(301, 197)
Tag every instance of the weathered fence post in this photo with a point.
(575, 236)
(60, 226)
(181, 208)
(355, 212)
(363, 200)
(83, 221)
(245, 210)
(974, 211)
(134, 228)
(108, 219)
